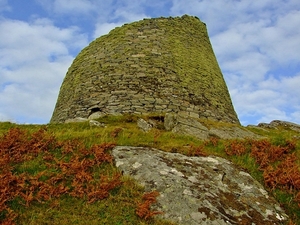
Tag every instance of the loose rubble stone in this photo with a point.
(144, 125)
(199, 190)
(94, 123)
(170, 121)
(96, 115)
(76, 120)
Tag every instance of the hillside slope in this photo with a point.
(64, 173)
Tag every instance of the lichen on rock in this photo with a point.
(199, 190)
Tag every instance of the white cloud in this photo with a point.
(273, 113)
(34, 58)
(125, 12)
(273, 98)
(33, 96)
(104, 28)
(251, 49)
(21, 41)
(281, 41)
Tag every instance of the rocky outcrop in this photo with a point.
(155, 65)
(275, 124)
(199, 190)
(186, 125)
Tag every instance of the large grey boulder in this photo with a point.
(187, 125)
(199, 190)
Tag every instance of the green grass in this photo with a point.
(120, 206)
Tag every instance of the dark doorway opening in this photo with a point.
(93, 110)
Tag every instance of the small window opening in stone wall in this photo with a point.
(94, 110)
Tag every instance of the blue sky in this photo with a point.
(257, 45)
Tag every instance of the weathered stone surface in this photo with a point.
(257, 127)
(170, 121)
(96, 115)
(190, 130)
(154, 65)
(95, 123)
(199, 190)
(76, 120)
(277, 123)
(187, 125)
(232, 133)
(144, 125)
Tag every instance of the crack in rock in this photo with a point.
(199, 190)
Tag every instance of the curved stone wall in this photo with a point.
(151, 66)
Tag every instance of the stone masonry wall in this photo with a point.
(151, 66)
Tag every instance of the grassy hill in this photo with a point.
(64, 173)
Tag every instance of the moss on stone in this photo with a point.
(168, 59)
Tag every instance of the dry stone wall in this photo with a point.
(151, 66)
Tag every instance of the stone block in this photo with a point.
(144, 125)
(94, 123)
(76, 120)
(194, 114)
(96, 115)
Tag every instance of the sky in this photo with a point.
(257, 45)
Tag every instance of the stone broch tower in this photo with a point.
(151, 66)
